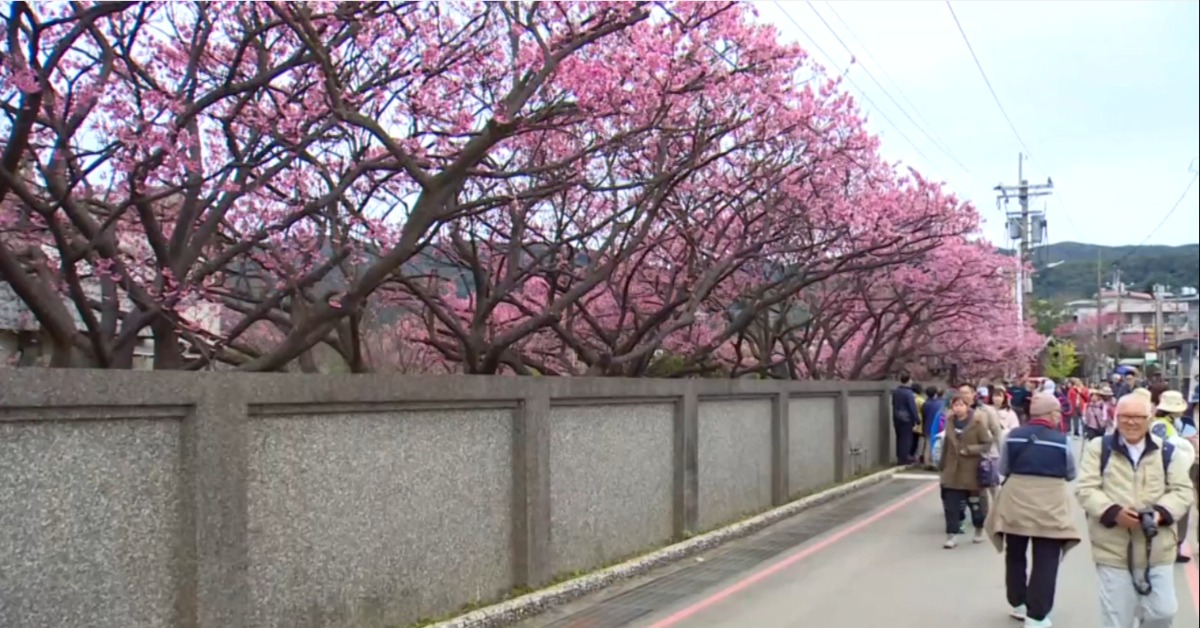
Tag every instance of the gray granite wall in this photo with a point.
(735, 460)
(376, 518)
(811, 443)
(235, 501)
(611, 474)
(869, 444)
(89, 522)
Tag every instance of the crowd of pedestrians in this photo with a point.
(1007, 456)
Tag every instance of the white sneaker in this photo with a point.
(1017, 612)
(951, 542)
(979, 536)
(1038, 623)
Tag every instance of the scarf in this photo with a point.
(1044, 422)
(963, 423)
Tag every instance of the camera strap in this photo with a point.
(1144, 587)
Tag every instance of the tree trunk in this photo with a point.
(122, 357)
(308, 364)
(168, 355)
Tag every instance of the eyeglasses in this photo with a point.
(1133, 418)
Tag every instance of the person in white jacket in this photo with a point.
(1128, 485)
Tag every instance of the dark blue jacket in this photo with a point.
(1020, 397)
(1037, 450)
(904, 405)
(929, 412)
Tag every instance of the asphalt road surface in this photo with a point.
(868, 560)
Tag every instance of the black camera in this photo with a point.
(1149, 520)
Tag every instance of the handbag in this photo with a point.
(989, 474)
(989, 471)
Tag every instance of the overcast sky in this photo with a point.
(1105, 95)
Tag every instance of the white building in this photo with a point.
(1138, 313)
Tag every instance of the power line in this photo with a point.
(988, 81)
(996, 97)
(886, 74)
(677, 20)
(833, 59)
(1167, 217)
(925, 126)
(1063, 205)
(878, 84)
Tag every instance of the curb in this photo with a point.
(511, 611)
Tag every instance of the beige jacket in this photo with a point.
(995, 426)
(1124, 486)
(1033, 506)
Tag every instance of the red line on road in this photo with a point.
(1193, 578)
(817, 546)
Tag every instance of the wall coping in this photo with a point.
(35, 387)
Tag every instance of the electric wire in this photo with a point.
(867, 51)
(862, 93)
(887, 93)
(1000, 105)
(988, 82)
(1162, 222)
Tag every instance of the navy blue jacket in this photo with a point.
(1037, 450)
(904, 405)
(930, 411)
(1020, 397)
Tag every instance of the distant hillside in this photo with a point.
(1141, 267)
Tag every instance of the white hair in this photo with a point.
(1141, 401)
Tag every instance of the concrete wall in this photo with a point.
(225, 500)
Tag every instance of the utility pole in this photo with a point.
(1120, 317)
(1026, 227)
(1156, 338)
(1098, 352)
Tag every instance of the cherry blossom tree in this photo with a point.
(155, 147)
(34, 49)
(1093, 337)
(793, 205)
(605, 188)
(512, 76)
(952, 302)
(534, 268)
(239, 153)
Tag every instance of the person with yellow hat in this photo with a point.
(1167, 425)
(1168, 420)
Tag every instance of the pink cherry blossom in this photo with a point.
(604, 188)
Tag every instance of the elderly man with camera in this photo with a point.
(1134, 486)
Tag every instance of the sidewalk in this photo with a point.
(883, 567)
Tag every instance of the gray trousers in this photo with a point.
(1121, 606)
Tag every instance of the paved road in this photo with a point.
(882, 567)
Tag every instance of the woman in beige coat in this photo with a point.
(1033, 511)
(968, 438)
